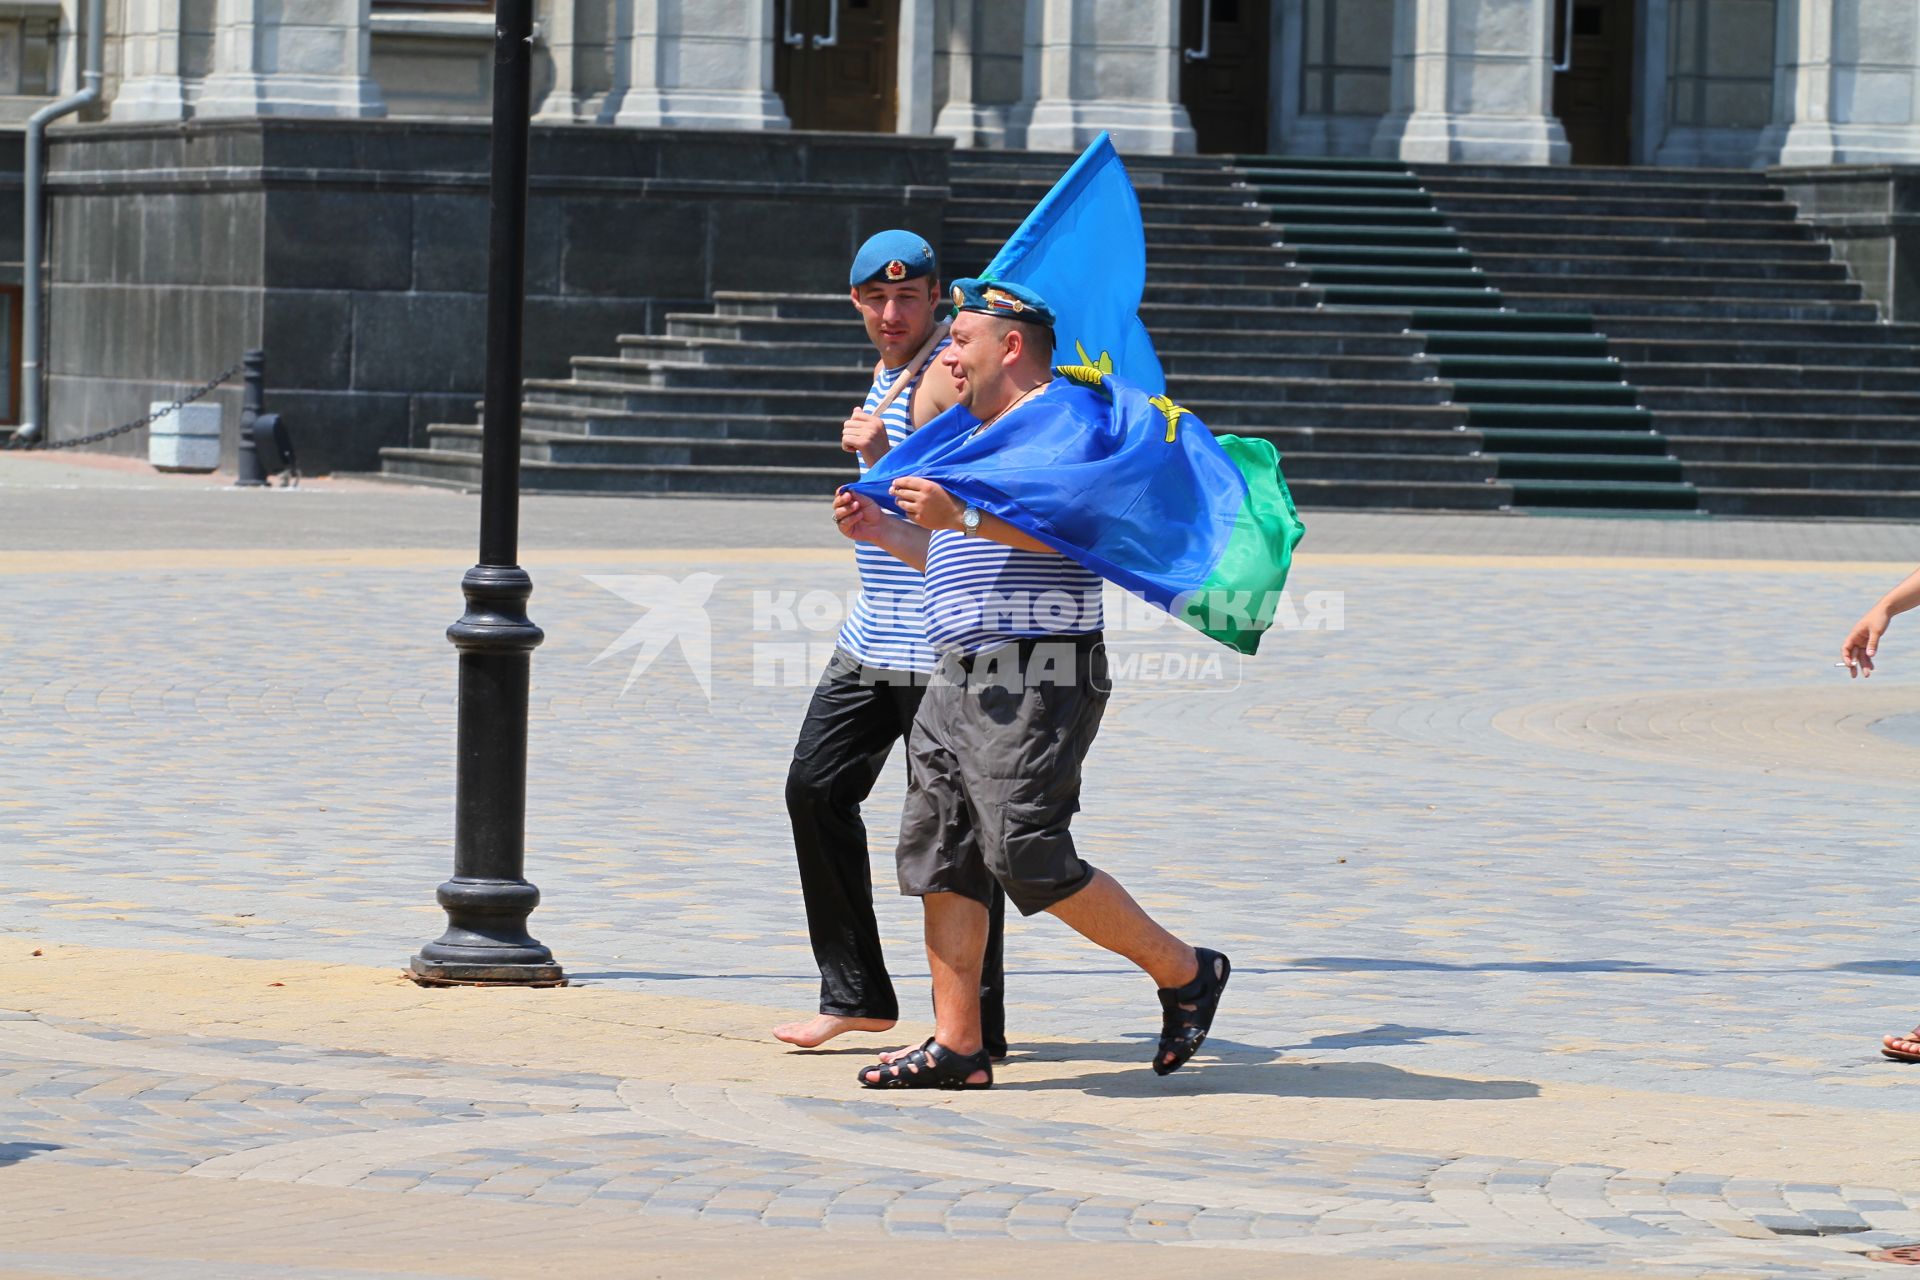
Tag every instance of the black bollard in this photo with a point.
(253, 402)
(488, 900)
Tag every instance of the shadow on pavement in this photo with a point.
(1390, 1033)
(1310, 964)
(1375, 1037)
(15, 1152)
(1900, 968)
(1373, 964)
(651, 975)
(1226, 1067)
(1363, 964)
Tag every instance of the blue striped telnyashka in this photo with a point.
(982, 593)
(887, 626)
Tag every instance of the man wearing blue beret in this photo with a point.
(995, 753)
(867, 698)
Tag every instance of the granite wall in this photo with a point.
(1872, 215)
(353, 252)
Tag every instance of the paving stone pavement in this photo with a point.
(258, 1111)
(1563, 805)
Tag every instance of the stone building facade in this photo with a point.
(241, 145)
(1670, 82)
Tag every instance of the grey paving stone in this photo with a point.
(1443, 774)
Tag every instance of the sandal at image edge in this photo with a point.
(931, 1066)
(1902, 1055)
(1187, 1012)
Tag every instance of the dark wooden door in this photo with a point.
(1594, 97)
(846, 85)
(1225, 93)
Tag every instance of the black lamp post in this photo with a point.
(488, 900)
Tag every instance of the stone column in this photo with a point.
(1847, 84)
(276, 59)
(1715, 80)
(698, 64)
(151, 86)
(1112, 65)
(563, 101)
(913, 79)
(1340, 55)
(964, 119)
(1473, 82)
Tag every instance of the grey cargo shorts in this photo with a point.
(993, 772)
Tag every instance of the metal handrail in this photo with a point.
(1565, 61)
(832, 37)
(1205, 50)
(788, 35)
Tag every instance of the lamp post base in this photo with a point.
(430, 973)
(486, 943)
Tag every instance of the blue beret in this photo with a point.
(1002, 298)
(891, 256)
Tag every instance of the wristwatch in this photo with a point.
(970, 520)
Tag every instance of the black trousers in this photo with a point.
(856, 716)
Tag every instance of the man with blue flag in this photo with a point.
(867, 696)
(995, 751)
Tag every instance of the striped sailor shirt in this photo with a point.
(887, 625)
(981, 594)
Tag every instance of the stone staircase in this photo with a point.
(1442, 337)
(1752, 351)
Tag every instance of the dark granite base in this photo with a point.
(1872, 215)
(354, 253)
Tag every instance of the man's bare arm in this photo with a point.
(862, 520)
(930, 506)
(1863, 642)
(936, 394)
(998, 530)
(1903, 597)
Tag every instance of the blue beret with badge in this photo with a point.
(1005, 299)
(889, 257)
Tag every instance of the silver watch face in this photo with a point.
(970, 518)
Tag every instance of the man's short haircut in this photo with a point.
(1034, 337)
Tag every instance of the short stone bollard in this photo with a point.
(185, 439)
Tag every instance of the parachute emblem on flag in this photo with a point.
(1089, 372)
(1104, 364)
(1173, 411)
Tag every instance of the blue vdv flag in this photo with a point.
(1132, 486)
(1084, 250)
(1103, 466)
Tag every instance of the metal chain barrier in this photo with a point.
(16, 443)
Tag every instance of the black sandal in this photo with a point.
(931, 1066)
(1187, 1012)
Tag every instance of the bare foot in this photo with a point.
(814, 1032)
(1904, 1048)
